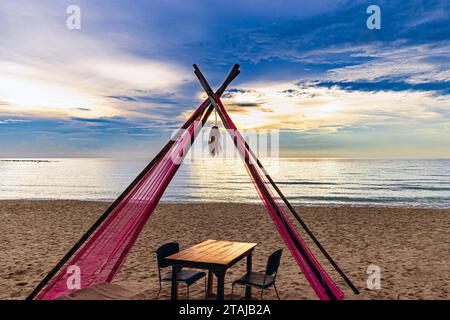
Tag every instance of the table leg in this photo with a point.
(174, 292)
(248, 289)
(220, 274)
(210, 283)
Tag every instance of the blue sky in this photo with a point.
(118, 86)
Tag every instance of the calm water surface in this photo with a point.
(423, 183)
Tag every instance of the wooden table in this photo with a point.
(215, 256)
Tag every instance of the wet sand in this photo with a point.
(410, 245)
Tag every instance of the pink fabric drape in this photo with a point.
(102, 256)
(319, 280)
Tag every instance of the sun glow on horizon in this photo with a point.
(43, 92)
(37, 96)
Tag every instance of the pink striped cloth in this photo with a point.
(319, 280)
(102, 256)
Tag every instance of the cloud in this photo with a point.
(308, 107)
(13, 121)
(438, 88)
(409, 64)
(336, 45)
(46, 69)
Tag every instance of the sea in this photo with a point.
(316, 182)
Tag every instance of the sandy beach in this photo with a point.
(410, 245)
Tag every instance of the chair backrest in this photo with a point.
(164, 251)
(273, 262)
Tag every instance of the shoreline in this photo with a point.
(296, 205)
(409, 244)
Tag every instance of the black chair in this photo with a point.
(189, 277)
(262, 280)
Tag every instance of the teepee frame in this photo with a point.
(320, 281)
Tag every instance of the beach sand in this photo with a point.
(411, 246)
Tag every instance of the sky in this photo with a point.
(121, 84)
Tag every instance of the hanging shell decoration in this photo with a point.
(214, 141)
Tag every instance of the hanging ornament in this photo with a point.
(214, 139)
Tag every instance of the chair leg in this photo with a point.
(232, 291)
(276, 291)
(159, 291)
(262, 291)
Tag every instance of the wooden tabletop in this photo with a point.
(212, 253)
